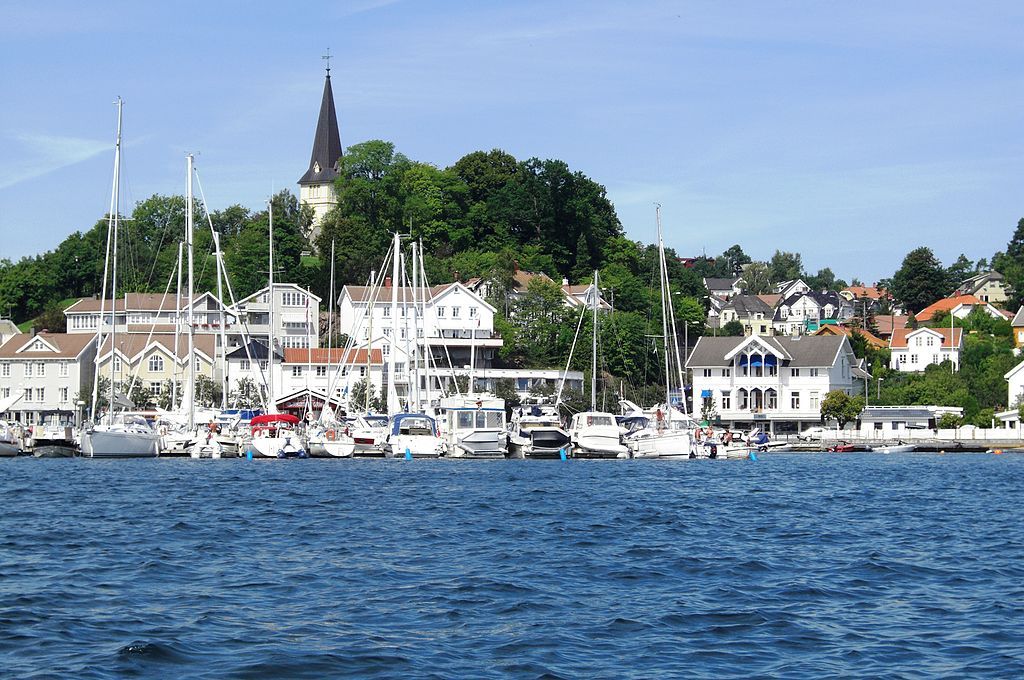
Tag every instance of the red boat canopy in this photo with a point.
(274, 418)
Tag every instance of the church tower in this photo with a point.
(316, 187)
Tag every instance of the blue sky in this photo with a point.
(849, 132)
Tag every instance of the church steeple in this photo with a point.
(323, 162)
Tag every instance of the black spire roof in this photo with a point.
(326, 144)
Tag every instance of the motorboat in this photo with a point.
(475, 427)
(847, 447)
(413, 435)
(898, 447)
(660, 432)
(275, 435)
(595, 434)
(536, 432)
(10, 440)
(369, 434)
(123, 436)
(55, 436)
(736, 445)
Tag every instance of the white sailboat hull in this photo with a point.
(290, 446)
(666, 445)
(118, 444)
(417, 445)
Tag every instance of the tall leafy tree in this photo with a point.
(920, 280)
(785, 266)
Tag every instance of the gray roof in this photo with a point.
(808, 350)
(889, 413)
(257, 351)
(821, 298)
(326, 142)
(719, 284)
(1018, 318)
(747, 305)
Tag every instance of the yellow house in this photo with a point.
(1018, 328)
(152, 360)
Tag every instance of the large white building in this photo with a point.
(777, 383)
(44, 373)
(914, 350)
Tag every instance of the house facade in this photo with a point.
(1018, 328)
(45, 372)
(805, 312)
(959, 306)
(751, 311)
(914, 350)
(776, 383)
(987, 286)
(151, 360)
(724, 288)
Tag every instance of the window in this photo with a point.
(117, 364)
(931, 341)
(878, 425)
(296, 371)
(63, 371)
(387, 312)
(741, 399)
(903, 358)
(771, 399)
(385, 350)
(473, 312)
(244, 364)
(40, 394)
(5, 392)
(917, 341)
(794, 401)
(913, 358)
(440, 312)
(401, 333)
(795, 372)
(400, 367)
(815, 402)
(707, 372)
(263, 364)
(456, 312)
(936, 359)
(726, 372)
(155, 388)
(293, 299)
(28, 394)
(63, 394)
(362, 371)
(156, 364)
(5, 369)
(814, 372)
(726, 401)
(40, 368)
(321, 371)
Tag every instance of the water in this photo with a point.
(794, 566)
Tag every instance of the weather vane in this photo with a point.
(327, 57)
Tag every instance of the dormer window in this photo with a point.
(316, 167)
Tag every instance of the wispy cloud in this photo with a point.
(43, 154)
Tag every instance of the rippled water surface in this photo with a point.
(791, 566)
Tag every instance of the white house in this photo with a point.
(296, 319)
(574, 295)
(724, 288)
(791, 287)
(149, 312)
(804, 312)
(776, 383)
(893, 422)
(914, 350)
(751, 311)
(325, 372)
(49, 371)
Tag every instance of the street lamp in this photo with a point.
(878, 392)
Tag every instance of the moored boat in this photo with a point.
(275, 436)
(413, 435)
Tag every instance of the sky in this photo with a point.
(850, 132)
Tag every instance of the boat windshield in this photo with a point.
(600, 421)
(479, 419)
(416, 426)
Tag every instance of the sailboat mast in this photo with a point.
(271, 404)
(223, 320)
(593, 381)
(189, 228)
(113, 277)
(177, 329)
(393, 344)
(414, 364)
(106, 270)
(665, 302)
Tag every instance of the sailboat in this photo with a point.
(121, 436)
(667, 433)
(275, 435)
(595, 434)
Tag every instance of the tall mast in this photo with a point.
(271, 404)
(414, 341)
(370, 305)
(113, 284)
(106, 269)
(189, 228)
(392, 390)
(177, 329)
(330, 329)
(665, 302)
(427, 353)
(593, 382)
(223, 331)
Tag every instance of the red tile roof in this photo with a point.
(945, 305)
(899, 337)
(336, 355)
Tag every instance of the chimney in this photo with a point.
(565, 281)
(455, 275)
(387, 281)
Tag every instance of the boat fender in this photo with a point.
(248, 454)
(331, 434)
(280, 453)
(561, 453)
(752, 456)
(408, 453)
(302, 453)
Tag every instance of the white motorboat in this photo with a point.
(10, 440)
(664, 439)
(55, 436)
(369, 433)
(413, 435)
(275, 436)
(537, 433)
(898, 447)
(126, 436)
(475, 427)
(595, 434)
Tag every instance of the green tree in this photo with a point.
(957, 272)
(247, 394)
(208, 391)
(785, 266)
(920, 281)
(841, 407)
(733, 328)
(757, 279)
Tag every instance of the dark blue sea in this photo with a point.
(792, 566)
